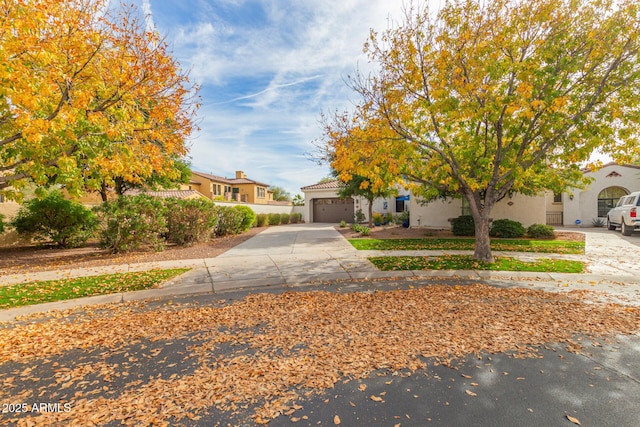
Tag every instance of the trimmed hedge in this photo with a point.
(506, 228)
(248, 217)
(463, 226)
(132, 222)
(230, 221)
(274, 219)
(189, 221)
(55, 219)
(541, 231)
(262, 220)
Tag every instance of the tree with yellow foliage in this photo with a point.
(482, 99)
(88, 94)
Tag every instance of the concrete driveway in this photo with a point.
(290, 254)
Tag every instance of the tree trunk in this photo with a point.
(103, 192)
(120, 186)
(482, 250)
(370, 213)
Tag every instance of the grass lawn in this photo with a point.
(510, 245)
(64, 289)
(466, 262)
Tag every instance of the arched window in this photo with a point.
(608, 198)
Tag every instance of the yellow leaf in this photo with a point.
(470, 393)
(573, 419)
(336, 420)
(375, 398)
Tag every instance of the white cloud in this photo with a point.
(268, 68)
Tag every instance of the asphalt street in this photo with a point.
(599, 385)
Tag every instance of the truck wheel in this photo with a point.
(626, 230)
(610, 226)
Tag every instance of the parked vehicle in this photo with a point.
(625, 214)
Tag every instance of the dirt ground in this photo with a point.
(20, 259)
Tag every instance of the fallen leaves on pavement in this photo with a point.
(271, 351)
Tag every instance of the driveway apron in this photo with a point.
(289, 254)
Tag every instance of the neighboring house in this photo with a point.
(573, 208)
(438, 213)
(322, 204)
(610, 182)
(239, 189)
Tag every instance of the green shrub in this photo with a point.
(506, 228)
(360, 216)
(230, 221)
(1, 223)
(388, 218)
(284, 218)
(362, 229)
(248, 217)
(274, 219)
(262, 220)
(378, 218)
(541, 231)
(189, 221)
(132, 222)
(296, 217)
(55, 219)
(463, 226)
(343, 224)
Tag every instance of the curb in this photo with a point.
(189, 284)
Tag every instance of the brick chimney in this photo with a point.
(240, 175)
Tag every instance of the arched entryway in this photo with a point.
(608, 198)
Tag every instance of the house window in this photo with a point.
(557, 197)
(261, 192)
(1, 198)
(401, 203)
(608, 198)
(466, 208)
(219, 189)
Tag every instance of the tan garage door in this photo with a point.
(332, 210)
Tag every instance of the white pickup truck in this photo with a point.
(626, 214)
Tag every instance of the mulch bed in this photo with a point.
(398, 232)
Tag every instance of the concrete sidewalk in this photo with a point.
(299, 254)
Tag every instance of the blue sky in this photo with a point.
(267, 70)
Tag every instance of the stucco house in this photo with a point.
(612, 181)
(322, 204)
(576, 207)
(438, 213)
(239, 189)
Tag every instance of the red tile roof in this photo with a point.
(327, 185)
(229, 181)
(165, 194)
